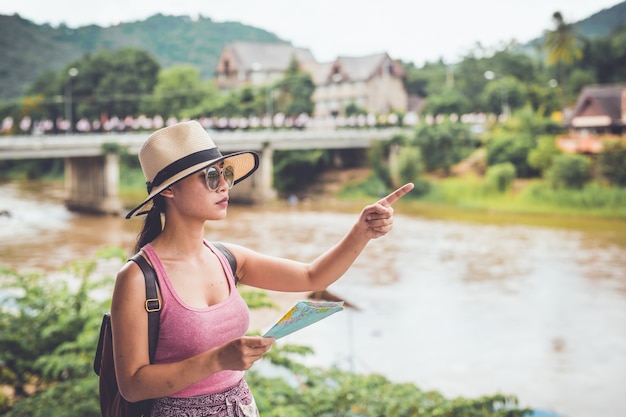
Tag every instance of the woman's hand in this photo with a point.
(376, 220)
(240, 354)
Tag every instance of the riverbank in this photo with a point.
(464, 195)
(469, 197)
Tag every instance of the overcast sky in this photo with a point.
(410, 30)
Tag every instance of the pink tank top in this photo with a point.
(186, 331)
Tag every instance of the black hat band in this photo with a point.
(182, 164)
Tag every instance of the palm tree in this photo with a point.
(562, 47)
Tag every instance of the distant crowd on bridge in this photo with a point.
(278, 121)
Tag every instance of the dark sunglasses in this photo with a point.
(213, 174)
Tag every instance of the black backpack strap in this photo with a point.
(104, 327)
(229, 256)
(153, 302)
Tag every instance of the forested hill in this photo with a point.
(604, 22)
(30, 49)
(599, 24)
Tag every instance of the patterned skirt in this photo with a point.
(234, 402)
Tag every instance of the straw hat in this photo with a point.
(175, 152)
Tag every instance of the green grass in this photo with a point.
(593, 199)
(532, 197)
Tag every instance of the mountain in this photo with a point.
(30, 49)
(602, 23)
(598, 25)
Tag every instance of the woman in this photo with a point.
(202, 351)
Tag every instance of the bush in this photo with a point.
(296, 170)
(410, 165)
(443, 144)
(570, 171)
(513, 148)
(410, 169)
(377, 157)
(499, 177)
(48, 336)
(542, 156)
(613, 163)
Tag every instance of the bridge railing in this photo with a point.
(80, 145)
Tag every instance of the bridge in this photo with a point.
(92, 164)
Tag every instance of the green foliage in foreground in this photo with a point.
(332, 392)
(49, 325)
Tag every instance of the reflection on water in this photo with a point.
(466, 308)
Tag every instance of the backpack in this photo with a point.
(112, 404)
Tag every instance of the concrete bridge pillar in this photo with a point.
(266, 174)
(91, 184)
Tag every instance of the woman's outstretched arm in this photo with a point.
(279, 274)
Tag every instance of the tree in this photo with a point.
(296, 170)
(543, 99)
(469, 78)
(46, 90)
(411, 168)
(570, 171)
(427, 80)
(514, 148)
(613, 163)
(563, 49)
(410, 165)
(513, 64)
(541, 157)
(503, 95)
(450, 101)
(605, 57)
(132, 75)
(178, 90)
(295, 91)
(443, 144)
(107, 83)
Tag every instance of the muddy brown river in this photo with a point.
(468, 305)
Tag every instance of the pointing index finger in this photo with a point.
(395, 196)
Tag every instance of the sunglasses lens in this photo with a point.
(213, 177)
(229, 175)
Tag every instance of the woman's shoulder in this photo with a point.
(130, 274)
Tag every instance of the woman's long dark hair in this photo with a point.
(152, 226)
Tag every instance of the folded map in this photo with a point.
(301, 315)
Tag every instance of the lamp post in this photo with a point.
(504, 93)
(72, 72)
